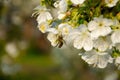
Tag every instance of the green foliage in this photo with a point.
(115, 52)
(48, 2)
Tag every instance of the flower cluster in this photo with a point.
(92, 26)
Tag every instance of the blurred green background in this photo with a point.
(26, 54)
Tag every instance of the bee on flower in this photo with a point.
(58, 36)
(56, 39)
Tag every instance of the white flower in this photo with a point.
(97, 59)
(76, 2)
(100, 27)
(43, 27)
(53, 36)
(111, 3)
(43, 14)
(55, 39)
(64, 28)
(83, 39)
(63, 6)
(115, 37)
(73, 34)
(59, 35)
(43, 17)
(102, 43)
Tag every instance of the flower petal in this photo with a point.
(88, 44)
(78, 43)
(115, 37)
(92, 25)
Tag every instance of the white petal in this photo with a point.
(63, 6)
(111, 4)
(97, 58)
(90, 57)
(108, 22)
(51, 37)
(102, 31)
(102, 62)
(64, 28)
(95, 34)
(105, 31)
(102, 44)
(115, 37)
(92, 25)
(52, 30)
(82, 28)
(78, 43)
(92, 60)
(43, 27)
(41, 18)
(76, 2)
(48, 15)
(88, 44)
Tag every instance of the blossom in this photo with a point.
(76, 2)
(43, 14)
(100, 27)
(97, 59)
(64, 28)
(111, 3)
(83, 40)
(55, 38)
(62, 8)
(97, 38)
(115, 37)
(102, 43)
(58, 36)
(43, 27)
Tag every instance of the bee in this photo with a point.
(60, 41)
